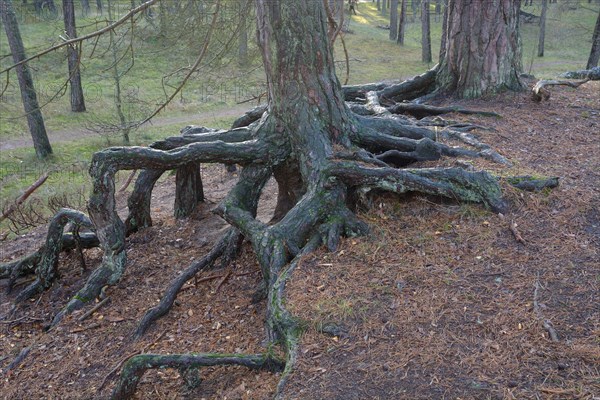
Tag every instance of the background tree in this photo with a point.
(595, 51)
(542, 28)
(483, 48)
(402, 22)
(73, 58)
(35, 121)
(425, 32)
(393, 19)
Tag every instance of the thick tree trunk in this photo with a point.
(595, 52)
(542, 28)
(77, 100)
(483, 50)
(425, 32)
(28, 93)
(402, 22)
(444, 34)
(393, 19)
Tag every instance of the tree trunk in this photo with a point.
(393, 19)
(85, 7)
(444, 34)
(35, 121)
(483, 48)
(425, 33)
(123, 123)
(595, 52)
(542, 28)
(402, 22)
(77, 100)
(243, 38)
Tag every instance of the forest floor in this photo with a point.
(440, 301)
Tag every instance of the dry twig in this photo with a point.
(513, 228)
(539, 91)
(93, 310)
(24, 196)
(536, 308)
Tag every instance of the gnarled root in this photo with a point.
(136, 366)
(45, 260)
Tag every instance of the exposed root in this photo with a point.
(17, 361)
(136, 366)
(45, 260)
(532, 184)
(540, 93)
(453, 183)
(420, 111)
(171, 293)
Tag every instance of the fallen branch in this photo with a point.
(21, 199)
(539, 91)
(93, 310)
(516, 233)
(536, 308)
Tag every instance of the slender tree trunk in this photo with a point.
(77, 100)
(383, 7)
(393, 19)
(595, 52)
(35, 121)
(379, 4)
(542, 28)
(402, 22)
(99, 6)
(414, 5)
(85, 7)
(483, 48)
(243, 38)
(117, 78)
(425, 32)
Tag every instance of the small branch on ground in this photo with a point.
(93, 310)
(536, 308)
(24, 196)
(516, 233)
(540, 93)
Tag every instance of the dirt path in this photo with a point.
(70, 134)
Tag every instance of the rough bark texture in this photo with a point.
(483, 48)
(595, 51)
(393, 19)
(402, 22)
(77, 100)
(35, 121)
(425, 32)
(319, 151)
(542, 28)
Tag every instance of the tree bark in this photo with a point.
(542, 28)
(393, 19)
(35, 121)
(73, 60)
(444, 34)
(85, 7)
(402, 22)
(595, 52)
(483, 50)
(425, 32)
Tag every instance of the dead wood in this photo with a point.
(24, 196)
(93, 309)
(536, 308)
(128, 181)
(540, 91)
(516, 233)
